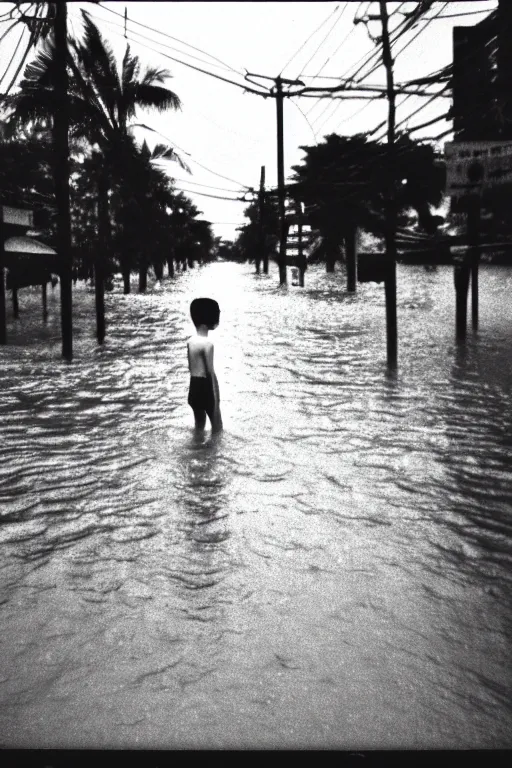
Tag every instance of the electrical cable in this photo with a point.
(12, 59)
(351, 31)
(308, 39)
(407, 23)
(305, 118)
(183, 151)
(326, 37)
(377, 66)
(217, 197)
(156, 42)
(164, 34)
(208, 186)
(198, 69)
(459, 15)
(8, 30)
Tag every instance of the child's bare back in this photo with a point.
(203, 396)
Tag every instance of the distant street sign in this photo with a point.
(475, 166)
(18, 216)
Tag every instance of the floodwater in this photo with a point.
(333, 571)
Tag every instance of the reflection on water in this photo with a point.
(333, 570)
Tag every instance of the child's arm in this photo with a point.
(216, 394)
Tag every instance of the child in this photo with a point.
(203, 396)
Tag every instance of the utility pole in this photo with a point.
(100, 259)
(474, 223)
(278, 94)
(390, 238)
(261, 250)
(351, 257)
(61, 174)
(301, 259)
(3, 321)
(280, 182)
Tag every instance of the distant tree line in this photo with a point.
(126, 214)
(343, 183)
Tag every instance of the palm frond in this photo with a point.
(130, 69)
(164, 152)
(40, 71)
(86, 91)
(154, 75)
(153, 97)
(98, 61)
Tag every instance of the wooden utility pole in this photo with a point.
(44, 296)
(351, 258)
(101, 255)
(301, 259)
(474, 224)
(390, 238)
(3, 321)
(15, 303)
(261, 253)
(280, 182)
(61, 175)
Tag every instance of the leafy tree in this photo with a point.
(345, 182)
(255, 242)
(103, 101)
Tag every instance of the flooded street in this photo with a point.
(333, 571)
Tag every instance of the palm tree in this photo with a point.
(345, 183)
(103, 100)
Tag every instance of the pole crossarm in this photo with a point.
(320, 92)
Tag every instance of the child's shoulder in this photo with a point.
(199, 341)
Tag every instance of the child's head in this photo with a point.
(205, 312)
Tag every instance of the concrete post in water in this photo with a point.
(301, 261)
(474, 220)
(351, 258)
(15, 305)
(44, 296)
(461, 275)
(261, 254)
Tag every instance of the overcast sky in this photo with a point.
(220, 128)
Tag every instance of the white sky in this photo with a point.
(234, 133)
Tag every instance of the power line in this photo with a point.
(379, 64)
(408, 23)
(308, 39)
(192, 66)
(208, 186)
(399, 30)
(217, 197)
(458, 15)
(184, 151)
(305, 118)
(156, 42)
(351, 31)
(325, 38)
(171, 37)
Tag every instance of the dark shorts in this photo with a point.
(200, 395)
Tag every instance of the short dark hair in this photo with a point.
(205, 312)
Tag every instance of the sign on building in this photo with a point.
(475, 166)
(19, 216)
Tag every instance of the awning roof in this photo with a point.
(27, 245)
